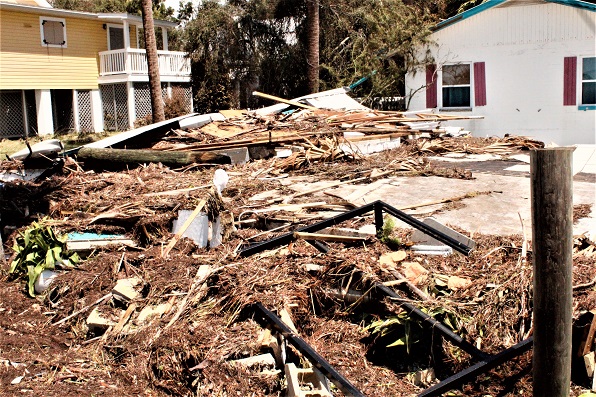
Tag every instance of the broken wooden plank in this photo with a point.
(89, 245)
(230, 113)
(122, 321)
(176, 192)
(328, 237)
(97, 302)
(282, 100)
(590, 338)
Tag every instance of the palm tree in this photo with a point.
(152, 62)
(312, 57)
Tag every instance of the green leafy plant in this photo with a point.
(410, 330)
(37, 249)
(384, 234)
(393, 324)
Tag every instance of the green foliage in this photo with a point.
(37, 249)
(385, 234)
(402, 324)
(360, 36)
(408, 330)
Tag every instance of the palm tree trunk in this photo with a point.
(312, 57)
(152, 62)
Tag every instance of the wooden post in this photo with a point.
(552, 229)
(113, 158)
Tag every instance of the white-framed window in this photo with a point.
(53, 31)
(456, 85)
(588, 81)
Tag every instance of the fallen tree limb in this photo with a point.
(114, 157)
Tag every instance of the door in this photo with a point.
(115, 38)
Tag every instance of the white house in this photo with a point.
(528, 67)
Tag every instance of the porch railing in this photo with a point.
(134, 61)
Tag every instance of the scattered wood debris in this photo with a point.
(166, 317)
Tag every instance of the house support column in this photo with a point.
(45, 119)
(164, 38)
(96, 111)
(75, 111)
(25, 116)
(131, 104)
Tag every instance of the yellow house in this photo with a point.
(71, 70)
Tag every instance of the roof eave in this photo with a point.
(136, 19)
(46, 11)
(492, 3)
(107, 17)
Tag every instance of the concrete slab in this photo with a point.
(584, 159)
(422, 239)
(496, 213)
(198, 231)
(237, 155)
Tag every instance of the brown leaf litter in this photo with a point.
(198, 326)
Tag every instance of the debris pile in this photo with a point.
(269, 284)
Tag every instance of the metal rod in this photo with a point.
(451, 336)
(377, 206)
(428, 230)
(378, 216)
(268, 317)
(319, 245)
(481, 367)
(289, 237)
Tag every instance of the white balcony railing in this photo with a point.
(134, 61)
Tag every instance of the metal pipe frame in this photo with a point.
(481, 367)
(378, 207)
(267, 317)
(487, 361)
(289, 237)
(428, 230)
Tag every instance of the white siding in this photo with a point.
(523, 47)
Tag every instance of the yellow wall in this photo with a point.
(133, 36)
(26, 64)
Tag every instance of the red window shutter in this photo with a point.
(479, 84)
(569, 81)
(431, 86)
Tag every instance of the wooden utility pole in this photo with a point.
(552, 236)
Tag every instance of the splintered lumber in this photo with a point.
(327, 237)
(282, 100)
(139, 156)
(183, 228)
(97, 302)
(176, 191)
